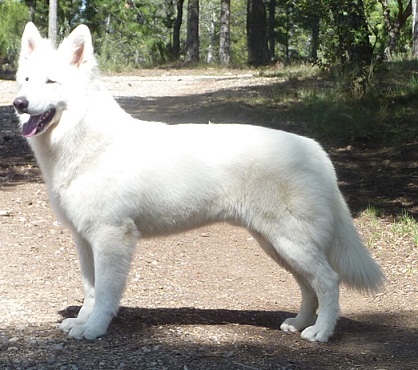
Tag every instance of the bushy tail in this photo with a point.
(351, 259)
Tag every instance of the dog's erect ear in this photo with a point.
(31, 39)
(78, 46)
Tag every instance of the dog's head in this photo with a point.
(46, 74)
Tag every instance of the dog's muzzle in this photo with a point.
(36, 123)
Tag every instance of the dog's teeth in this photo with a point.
(46, 115)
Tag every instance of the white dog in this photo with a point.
(112, 179)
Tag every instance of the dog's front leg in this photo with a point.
(112, 249)
(85, 255)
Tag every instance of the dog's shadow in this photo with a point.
(134, 319)
(140, 317)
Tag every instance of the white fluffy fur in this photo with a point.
(112, 179)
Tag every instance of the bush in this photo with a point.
(13, 16)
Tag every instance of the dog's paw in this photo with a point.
(85, 331)
(297, 324)
(78, 329)
(70, 323)
(289, 326)
(316, 333)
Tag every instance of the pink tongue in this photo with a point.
(29, 128)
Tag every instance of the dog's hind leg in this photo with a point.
(317, 278)
(112, 248)
(307, 313)
(319, 285)
(85, 254)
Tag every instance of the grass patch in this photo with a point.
(385, 114)
(391, 240)
(370, 220)
(407, 227)
(376, 227)
(337, 116)
(372, 212)
(295, 71)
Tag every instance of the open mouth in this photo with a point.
(37, 124)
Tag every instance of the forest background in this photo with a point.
(240, 32)
(363, 51)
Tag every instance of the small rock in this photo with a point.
(3, 345)
(58, 347)
(33, 342)
(13, 340)
(146, 350)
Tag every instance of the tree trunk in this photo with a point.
(315, 38)
(271, 33)
(394, 24)
(211, 57)
(192, 42)
(258, 52)
(176, 30)
(52, 22)
(287, 35)
(225, 34)
(415, 28)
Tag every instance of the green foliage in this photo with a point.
(13, 16)
(68, 14)
(295, 21)
(239, 48)
(133, 33)
(378, 27)
(128, 34)
(345, 48)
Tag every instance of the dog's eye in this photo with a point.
(49, 81)
(26, 78)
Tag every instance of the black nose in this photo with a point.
(21, 104)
